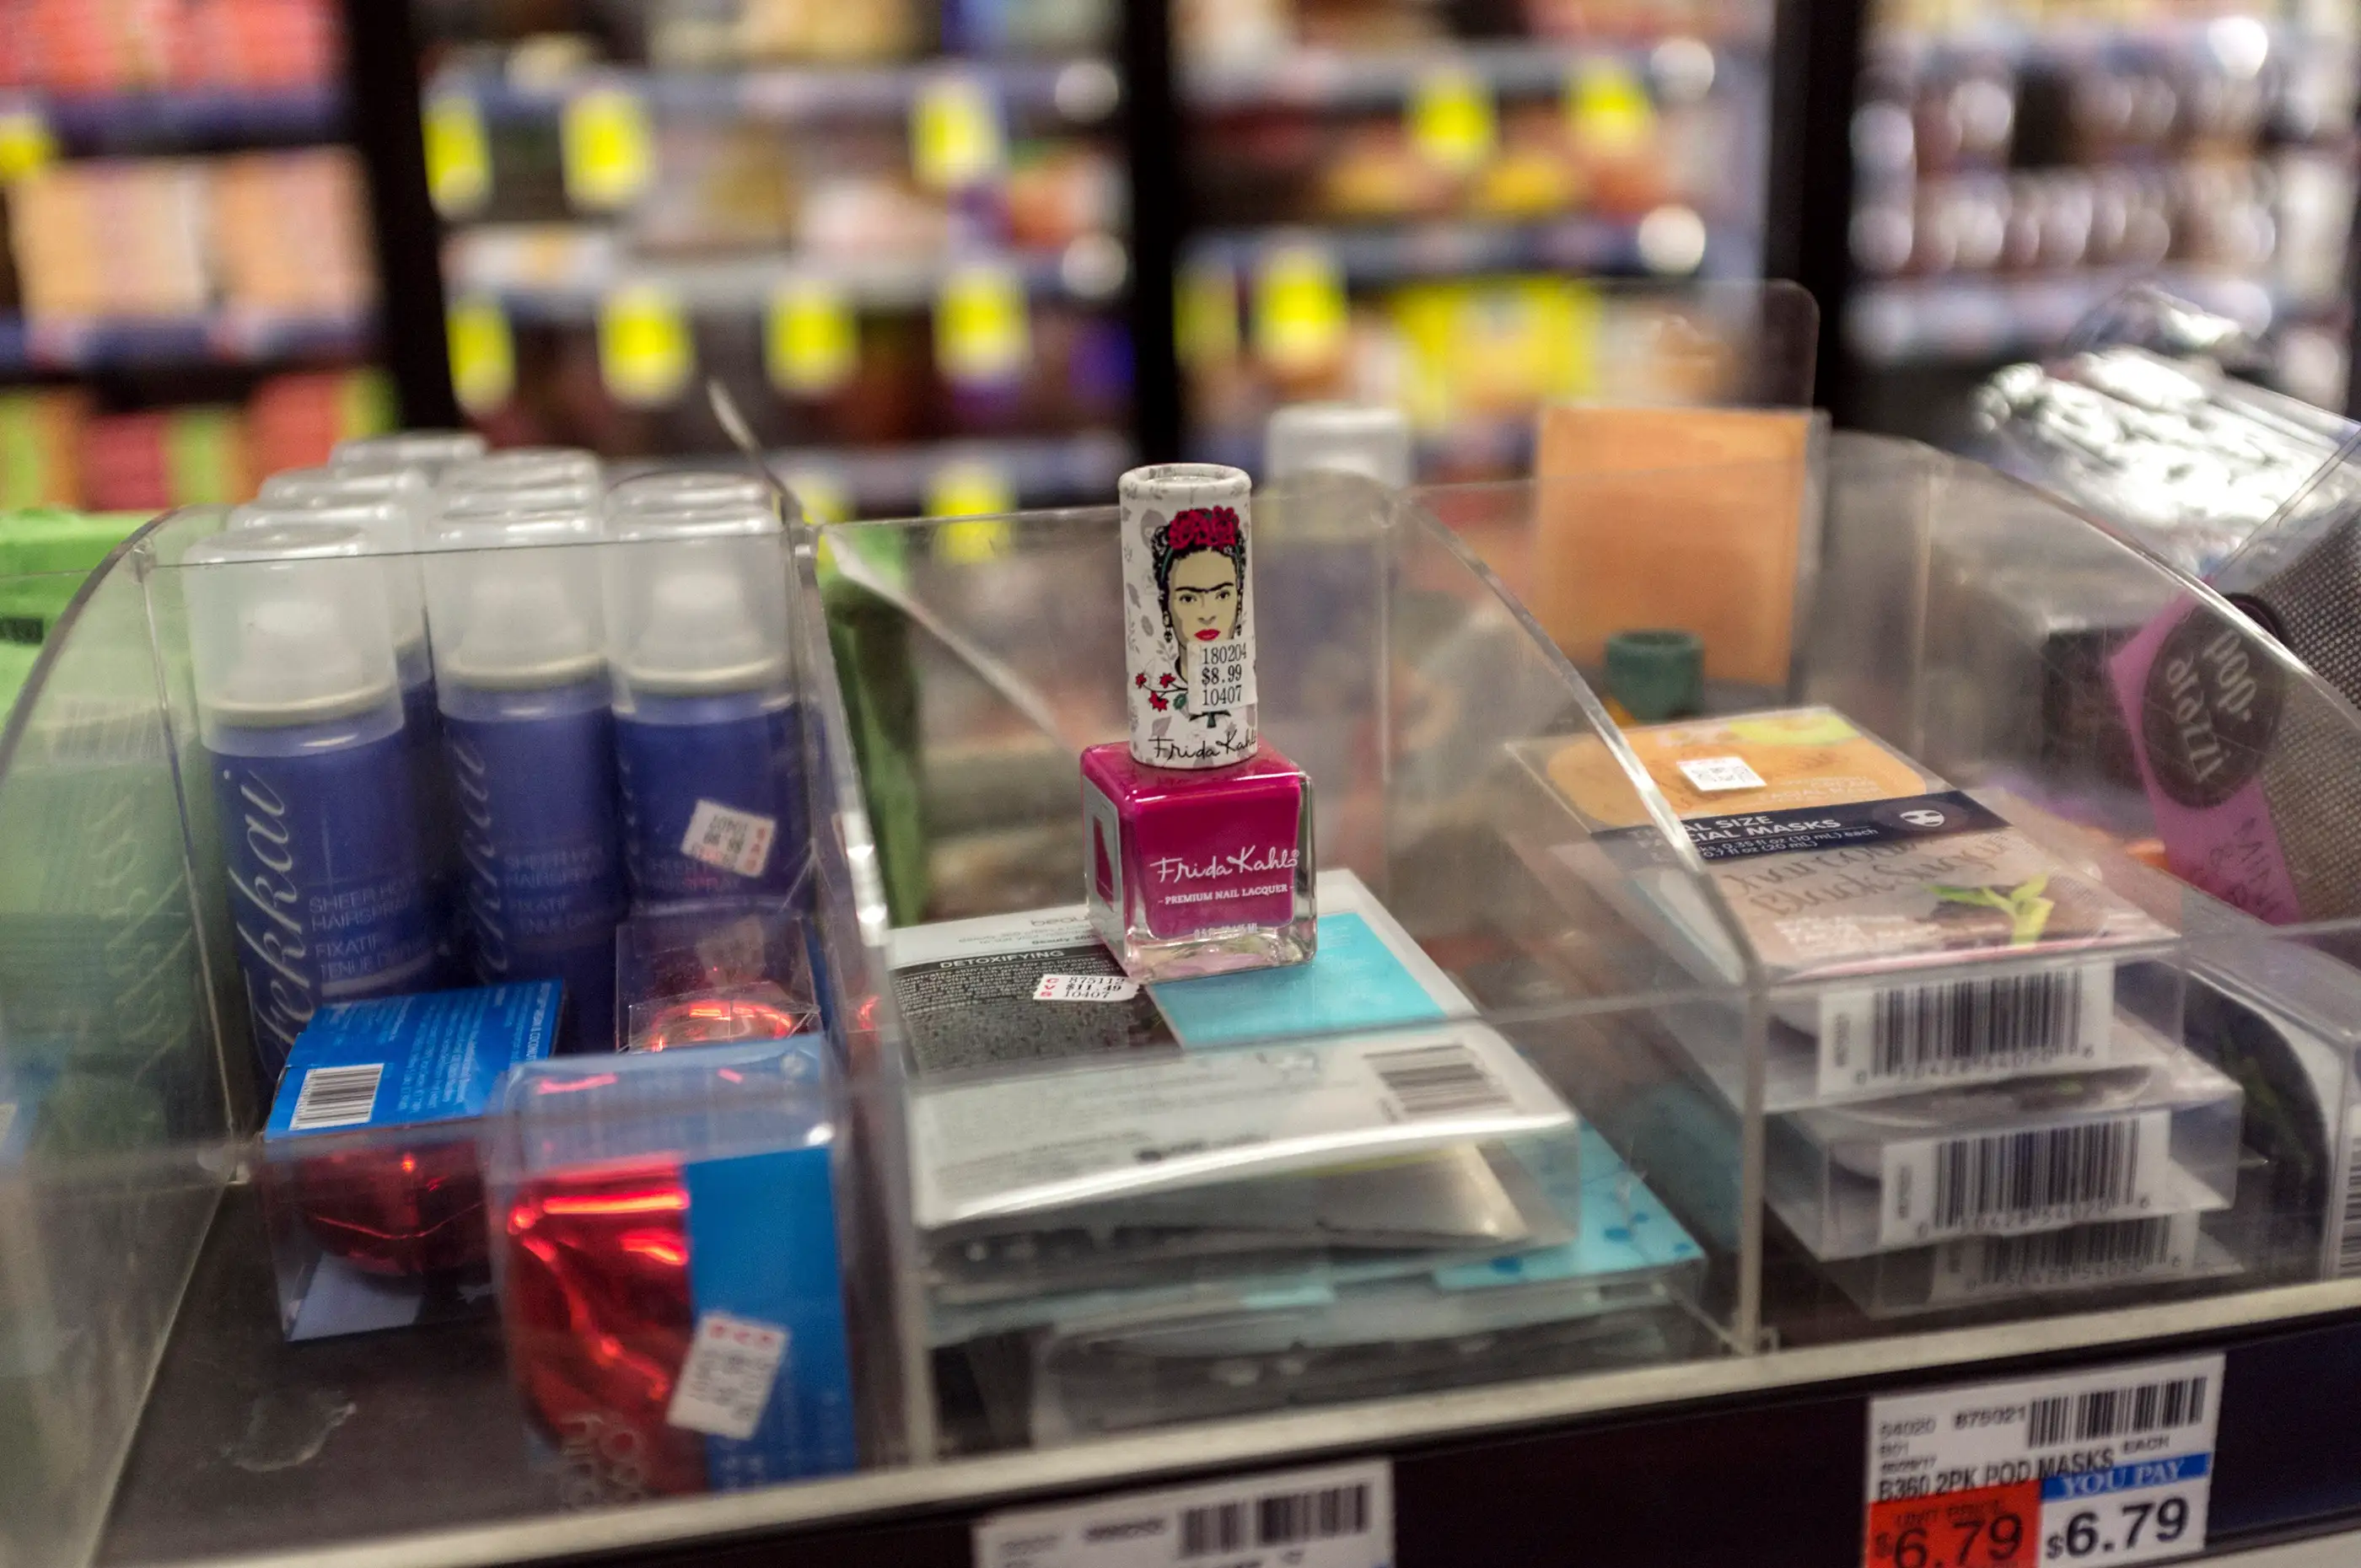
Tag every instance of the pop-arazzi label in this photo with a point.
(729, 840)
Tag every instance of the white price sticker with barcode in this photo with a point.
(725, 1384)
(727, 838)
(2032, 1179)
(2112, 1466)
(1339, 1517)
(1085, 988)
(1712, 775)
(1876, 1039)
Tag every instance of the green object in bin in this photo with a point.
(16, 668)
(1656, 674)
(45, 554)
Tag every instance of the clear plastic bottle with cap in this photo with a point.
(428, 451)
(387, 514)
(707, 743)
(521, 672)
(298, 705)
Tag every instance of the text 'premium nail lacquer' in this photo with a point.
(1197, 832)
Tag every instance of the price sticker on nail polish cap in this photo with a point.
(810, 344)
(607, 152)
(645, 353)
(26, 146)
(1450, 119)
(459, 155)
(1299, 311)
(1085, 988)
(483, 355)
(956, 141)
(2112, 1466)
(1340, 1517)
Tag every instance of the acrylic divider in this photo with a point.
(113, 1115)
(1397, 674)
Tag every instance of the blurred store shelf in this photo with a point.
(1082, 90)
(2238, 43)
(179, 119)
(226, 337)
(1673, 241)
(1332, 79)
(840, 482)
(1951, 320)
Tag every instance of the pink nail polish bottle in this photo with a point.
(1197, 833)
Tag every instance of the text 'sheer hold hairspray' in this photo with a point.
(300, 709)
(707, 738)
(520, 665)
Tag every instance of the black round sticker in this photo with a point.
(2211, 702)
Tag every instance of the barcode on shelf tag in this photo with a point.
(2033, 1180)
(1712, 775)
(483, 353)
(1451, 120)
(811, 343)
(982, 334)
(2112, 1465)
(1338, 1517)
(335, 1097)
(956, 140)
(1085, 988)
(646, 353)
(1437, 1080)
(2113, 1252)
(733, 841)
(1960, 1031)
(725, 1385)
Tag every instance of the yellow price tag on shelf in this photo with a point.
(483, 356)
(971, 488)
(810, 342)
(645, 353)
(1205, 314)
(955, 136)
(981, 335)
(459, 155)
(26, 146)
(821, 494)
(1300, 313)
(1451, 120)
(1608, 109)
(607, 148)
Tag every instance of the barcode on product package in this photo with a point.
(729, 839)
(1437, 1080)
(2030, 1180)
(2348, 1231)
(2111, 1252)
(1967, 1029)
(1341, 1516)
(335, 1097)
(2131, 1410)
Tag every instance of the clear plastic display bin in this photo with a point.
(1517, 1121)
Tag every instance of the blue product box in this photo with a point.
(732, 1237)
(372, 1189)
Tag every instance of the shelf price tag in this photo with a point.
(1608, 110)
(26, 145)
(1450, 119)
(811, 343)
(971, 488)
(483, 356)
(1298, 308)
(2112, 1466)
(607, 151)
(459, 155)
(1339, 1517)
(1205, 314)
(981, 336)
(956, 141)
(645, 353)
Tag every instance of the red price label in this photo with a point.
(1994, 1527)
